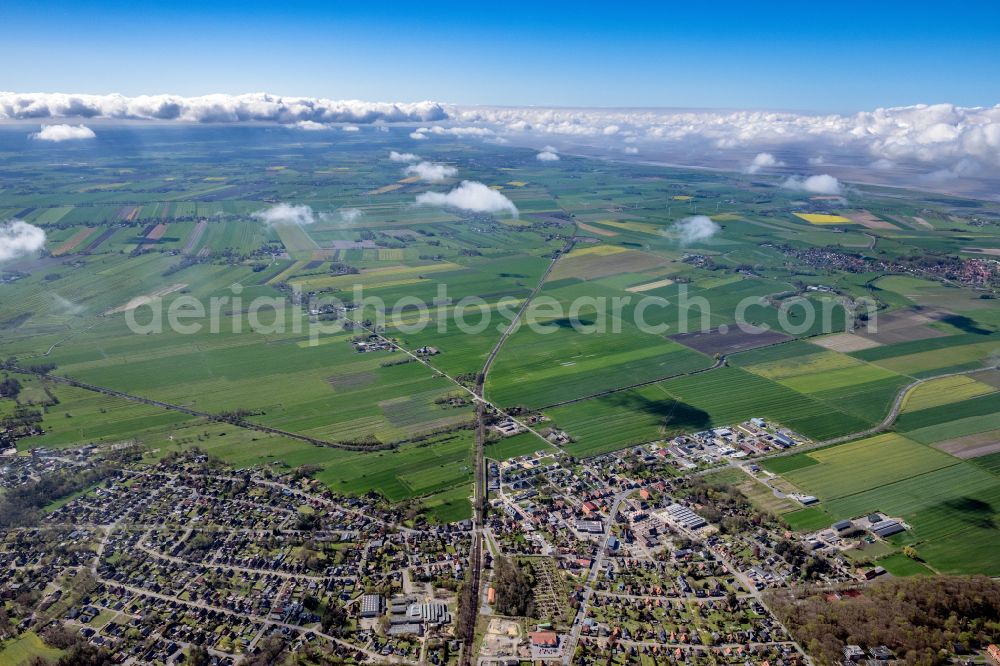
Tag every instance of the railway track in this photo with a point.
(471, 599)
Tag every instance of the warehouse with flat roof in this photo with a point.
(885, 528)
(685, 517)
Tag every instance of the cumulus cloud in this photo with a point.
(459, 131)
(402, 157)
(214, 108)
(18, 238)
(431, 172)
(762, 161)
(59, 133)
(938, 138)
(283, 213)
(694, 229)
(963, 169)
(548, 153)
(822, 184)
(631, 150)
(351, 128)
(311, 126)
(471, 196)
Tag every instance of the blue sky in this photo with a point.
(801, 56)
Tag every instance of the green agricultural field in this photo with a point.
(950, 505)
(409, 471)
(901, 565)
(449, 506)
(985, 406)
(944, 391)
(687, 404)
(809, 519)
(846, 470)
(960, 427)
(525, 443)
(125, 241)
(990, 463)
(84, 417)
(940, 360)
(786, 464)
(295, 239)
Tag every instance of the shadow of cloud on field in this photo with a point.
(974, 512)
(571, 323)
(672, 414)
(965, 324)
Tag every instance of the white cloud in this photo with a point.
(822, 184)
(402, 157)
(458, 131)
(471, 196)
(58, 133)
(66, 305)
(762, 161)
(431, 172)
(937, 136)
(918, 139)
(311, 126)
(283, 213)
(631, 150)
(18, 238)
(351, 128)
(547, 156)
(963, 169)
(695, 228)
(350, 215)
(817, 160)
(214, 108)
